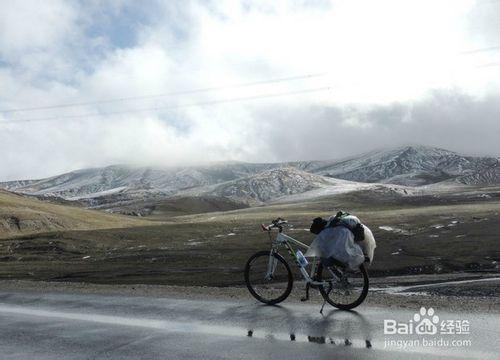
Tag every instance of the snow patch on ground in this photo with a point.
(386, 228)
(99, 193)
(394, 230)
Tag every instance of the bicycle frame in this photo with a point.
(287, 241)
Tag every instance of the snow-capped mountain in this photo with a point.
(267, 185)
(410, 165)
(257, 183)
(97, 182)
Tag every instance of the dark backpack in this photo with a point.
(318, 225)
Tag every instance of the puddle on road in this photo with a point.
(183, 327)
(323, 340)
(337, 327)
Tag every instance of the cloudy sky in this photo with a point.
(94, 83)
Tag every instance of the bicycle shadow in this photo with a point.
(279, 322)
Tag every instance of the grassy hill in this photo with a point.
(174, 206)
(20, 215)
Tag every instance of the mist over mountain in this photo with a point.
(258, 183)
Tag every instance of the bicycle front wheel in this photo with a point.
(268, 277)
(345, 289)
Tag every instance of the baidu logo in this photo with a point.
(430, 328)
(426, 322)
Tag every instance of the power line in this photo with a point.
(487, 65)
(205, 103)
(176, 93)
(477, 51)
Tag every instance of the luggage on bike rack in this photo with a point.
(338, 243)
(345, 239)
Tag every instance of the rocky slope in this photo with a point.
(268, 185)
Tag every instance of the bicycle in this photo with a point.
(269, 278)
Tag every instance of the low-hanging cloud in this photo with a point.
(446, 118)
(362, 82)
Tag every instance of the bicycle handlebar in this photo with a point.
(276, 223)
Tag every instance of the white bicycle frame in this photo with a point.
(282, 239)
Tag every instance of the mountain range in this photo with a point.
(411, 166)
(253, 183)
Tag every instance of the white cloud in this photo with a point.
(379, 58)
(28, 25)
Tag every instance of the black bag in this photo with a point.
(318, 225)
(358, 230)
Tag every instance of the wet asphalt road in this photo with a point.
(75, 326)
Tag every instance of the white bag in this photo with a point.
(368, 244)
(337, 242)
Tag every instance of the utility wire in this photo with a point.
(176, 93)
(487, 65)
(160, 108)
(477, 51)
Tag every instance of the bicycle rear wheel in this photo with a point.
(346, 289)
(269, 287)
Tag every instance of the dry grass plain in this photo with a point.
(415, 235)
